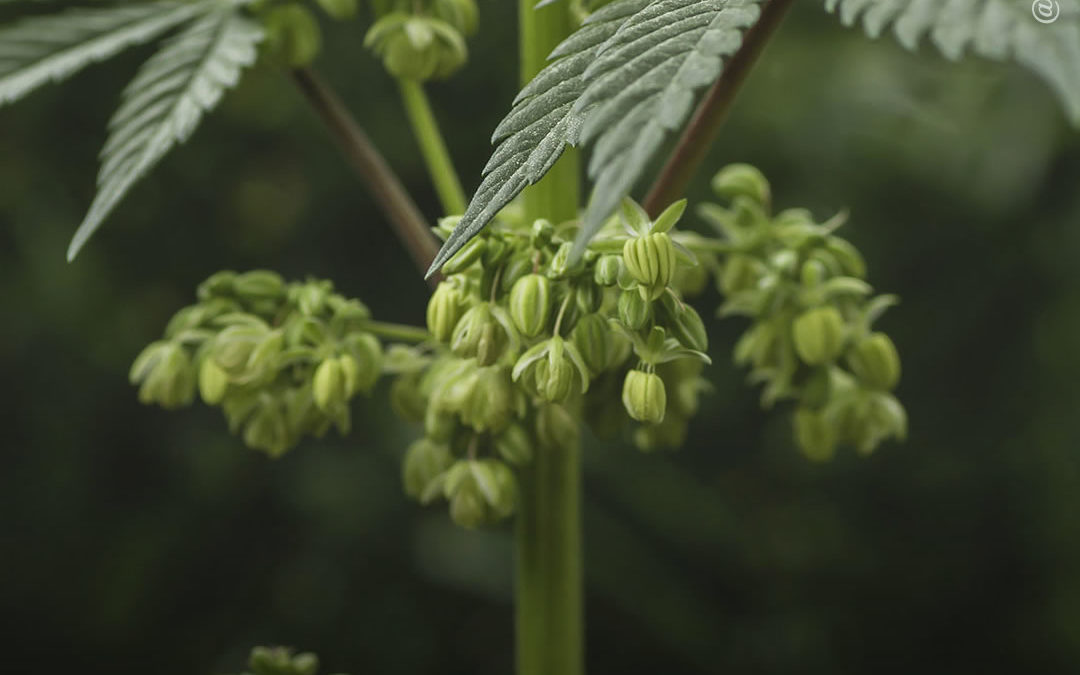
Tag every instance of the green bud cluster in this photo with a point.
(281, 661)
(423, 39)
(810, 341)
(281, 359)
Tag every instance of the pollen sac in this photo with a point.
(651, 261)
(819, 335)
(875, 361)
(444, 309)
(530, 304)
(644, 397)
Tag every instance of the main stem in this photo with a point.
(550, 610)
(432, 146)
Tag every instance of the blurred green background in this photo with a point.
(153, 542)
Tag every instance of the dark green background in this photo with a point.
(141, 541)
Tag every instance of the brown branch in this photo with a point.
(698, 136)
(386, 188)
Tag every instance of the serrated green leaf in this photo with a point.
(642, 87)
(539, 126)
(165, 103)
(37, 50)
(995, 29)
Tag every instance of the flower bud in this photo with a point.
(165, 375)
(461, 14)
(417, 47)
(259, 284)
(219, 285)
(814, 434)
(514, 445)
(634, 311)
(741, 273)
(305, 663)
(469, 254)
(367, 353)
(684, 323)
(470, 329)
(651, 261)
(592, 338)
(518, 267)
(819, 335)
(560, 263)
(213, 381)
(338, 9)
(424, 460)
(588, 298)
(607, 270)
(875, 362)
(551, 369)
(328, 385)
(741, 180)
(530, 304)
(489, 405)
(444, 309)
(267, 430)
(293, 38)
(407, 399)
(555, 427)
(644, 396)
(542, 232)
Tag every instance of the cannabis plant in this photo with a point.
(554, 320)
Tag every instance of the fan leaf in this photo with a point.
(995, 29)
(37, 50)
(166, 101)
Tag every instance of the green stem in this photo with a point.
(550, 614)
(437, 157)
(397, 331)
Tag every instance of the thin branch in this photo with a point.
(693, 145)
(386, 188)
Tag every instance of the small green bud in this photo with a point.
(165, 375)
(560, 262)
(489, 405)
(424, 460)
(556, 427)
(542, 232)
(684, 323)
(305, 664)
(407, 399)
(469, 254)
(530, 304)
(293, 38)
(740, 273)
(813, 273)
(588, 298)
(259, 284)
(644, 396)
(267, 430)
(814, 434)
(219, 285)
(651, 261)
(269, 660)
(367, 353)
(592, 337)
(339, 10)
(461, 14)
(875, 361)
(634, 311)
(213, 381)
(444, 309)
(483, 332)
(514, 445)
(328, 386)
(741, 180)
(517, 268)
(607, 270)
(417, 47)
(819, 335)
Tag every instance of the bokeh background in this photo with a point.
(153, 542)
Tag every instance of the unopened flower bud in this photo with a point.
(644, 396)
(530, 304)
(634, 311)
(607, 270)
(328, 386)
(259, 284)
(219, 285)
(489, 405)
(366, 350)
(213, 381)
(469, 254)
(514, 445)
(875, 362)
(592, 337)
(165, 375)
(542, 232)
(407, 399)
(741, 272)
(684, 323)
(424, 460)
(293, 38)
(651, 261)
(741, 180)
(444, 309)
(814, 434)
(819, 335)
(556, 427)
(461, 14)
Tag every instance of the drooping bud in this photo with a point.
(213, 381)
(407, 399)
(819, 335)
(634, 311)
(514, 445)
(461, 14)
(644, 396)
(607, 270)
(444, 309)
(530, 304)
(367, 353)
(466, 257)
(338, 9)
(592, 337)
(651, 260)
(490, 403)
(165, 375)
(328, 386)
(424, 460)
(293, 38)
(875, 361)
(740, 273)
(551, 369)
(417, 47)
(258, 284)
(684, 323)
(483, 332)
(741, 180)
(814, 434)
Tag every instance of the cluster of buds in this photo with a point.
(281, 661)
(281, 359)
(422, 39)
(812, 311)
(531, 343)
(293, 38)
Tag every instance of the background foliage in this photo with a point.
(154, 541)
